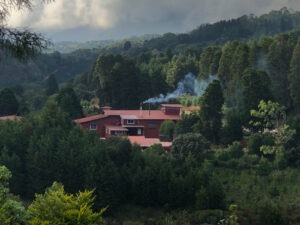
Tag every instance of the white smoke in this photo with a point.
(189, 85)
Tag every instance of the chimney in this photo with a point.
(141, 109)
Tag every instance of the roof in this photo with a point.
(172, 105)
(147, 142)
(116, 128)
(142, 114)
(11, 117)
(129, 117)
(90, 118)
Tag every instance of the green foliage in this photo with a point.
(57, 207)
(211, 112)
(279, 57)
(232, 130)
(270, 214)
(11, 211)
(294, 78)
(211, 196)
(69, 103)
(233, 151)
(255, 141)
(8, 102)
(256, 87)
(51, 85)
(167, 130)
(209, 61)
(190, 143)
(268, 116)
(186, 124)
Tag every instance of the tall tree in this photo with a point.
(211, 112)
(51, 85)
(294, 78)
(209, 61)
(68, 101)
(279, 57)
(8, 102)
(256, 87)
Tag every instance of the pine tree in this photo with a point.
(51, 85)
(294, 78)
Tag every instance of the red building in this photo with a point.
(141, 122)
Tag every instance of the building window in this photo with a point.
(119, 133)
(139, 131)
(152, 125)
(93, 126)
(130, 121)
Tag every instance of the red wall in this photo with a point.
(101, 123)
(150, 131)
(171, 111)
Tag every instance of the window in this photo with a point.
(119, 133)
(130, 121)
(139, 131)
(93, 126)
(152, 125)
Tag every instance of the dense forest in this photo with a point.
(235, 161)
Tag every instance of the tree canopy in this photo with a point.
(19, 43)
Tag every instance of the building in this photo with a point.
(143, 123)
(11, 118)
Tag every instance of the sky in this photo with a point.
(86, 20)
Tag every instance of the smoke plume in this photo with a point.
(189, 85)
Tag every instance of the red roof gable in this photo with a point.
(90, 118)
(172, 105)
(142, 114)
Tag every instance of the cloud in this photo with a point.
(139, 16)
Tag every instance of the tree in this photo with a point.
(68, 101)
(209, 61)
(51, 85)
(19, 43)
(167, 129)
(232, 131)
(127, 45)
(256, 87)
(268, 116)
(294, 78)
(8, 102)
(57, 207)
(190, 144)
(11, 211)
(211, 112)
(279, 58)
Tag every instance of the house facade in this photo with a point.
(144, 123)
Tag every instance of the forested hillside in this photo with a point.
(234, 161)
(66, 66)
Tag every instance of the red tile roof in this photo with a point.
(147, 142)
(172, 105)
(142, 114)
(90, 118)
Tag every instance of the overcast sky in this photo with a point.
(83, 20)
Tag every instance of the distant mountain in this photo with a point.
(70, 46)
(242, 28)
(68, 59)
